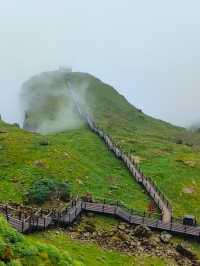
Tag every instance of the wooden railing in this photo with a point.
(68, 215)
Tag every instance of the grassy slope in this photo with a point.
(91, 254)
(175, 168)
(70, 156)
(17, 250)
(56, 248)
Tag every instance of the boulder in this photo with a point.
(165, 237)
(123, 236)
(122, 227)
(142, 231)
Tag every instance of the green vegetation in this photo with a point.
(153, 144)
(169, 154)
(48, 189)
(77, 157)
(31, 163)
(91, 254)
(17, 250)
(57, 248)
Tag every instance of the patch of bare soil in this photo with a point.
(188, 190)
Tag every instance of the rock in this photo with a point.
(40, 163)
(44, 142)
(186, 252)
(80, 182)
(165, 237)
(86, 235)
(14, 179)
(123, 236)
(142, 231)
(89, 228)
(116, 239)
(3, 131)
(122, 227)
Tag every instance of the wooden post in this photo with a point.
(6, 209)
(157, 223)
(143, 217)
(44, 223)
(171, 225)
(22, 226)
(29, 222)
(115, 210)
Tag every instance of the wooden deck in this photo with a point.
(72, 213)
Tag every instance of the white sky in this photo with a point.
(148, 50)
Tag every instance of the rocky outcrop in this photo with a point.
(134, 240)
(165, 237)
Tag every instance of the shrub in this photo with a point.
(179, 141)
(48, 189)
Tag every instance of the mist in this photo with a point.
(148, 50)
(47, 103)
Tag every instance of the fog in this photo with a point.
(37, 95)
(148, 50)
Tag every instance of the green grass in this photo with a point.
(17, 250)
(91, 254)
(77, 156)
(174, 167)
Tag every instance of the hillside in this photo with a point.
(59, 146)
(169, 154)
(70, 157)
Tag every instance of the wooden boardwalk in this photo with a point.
(41, 221)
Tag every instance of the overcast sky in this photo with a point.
(148, 50)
